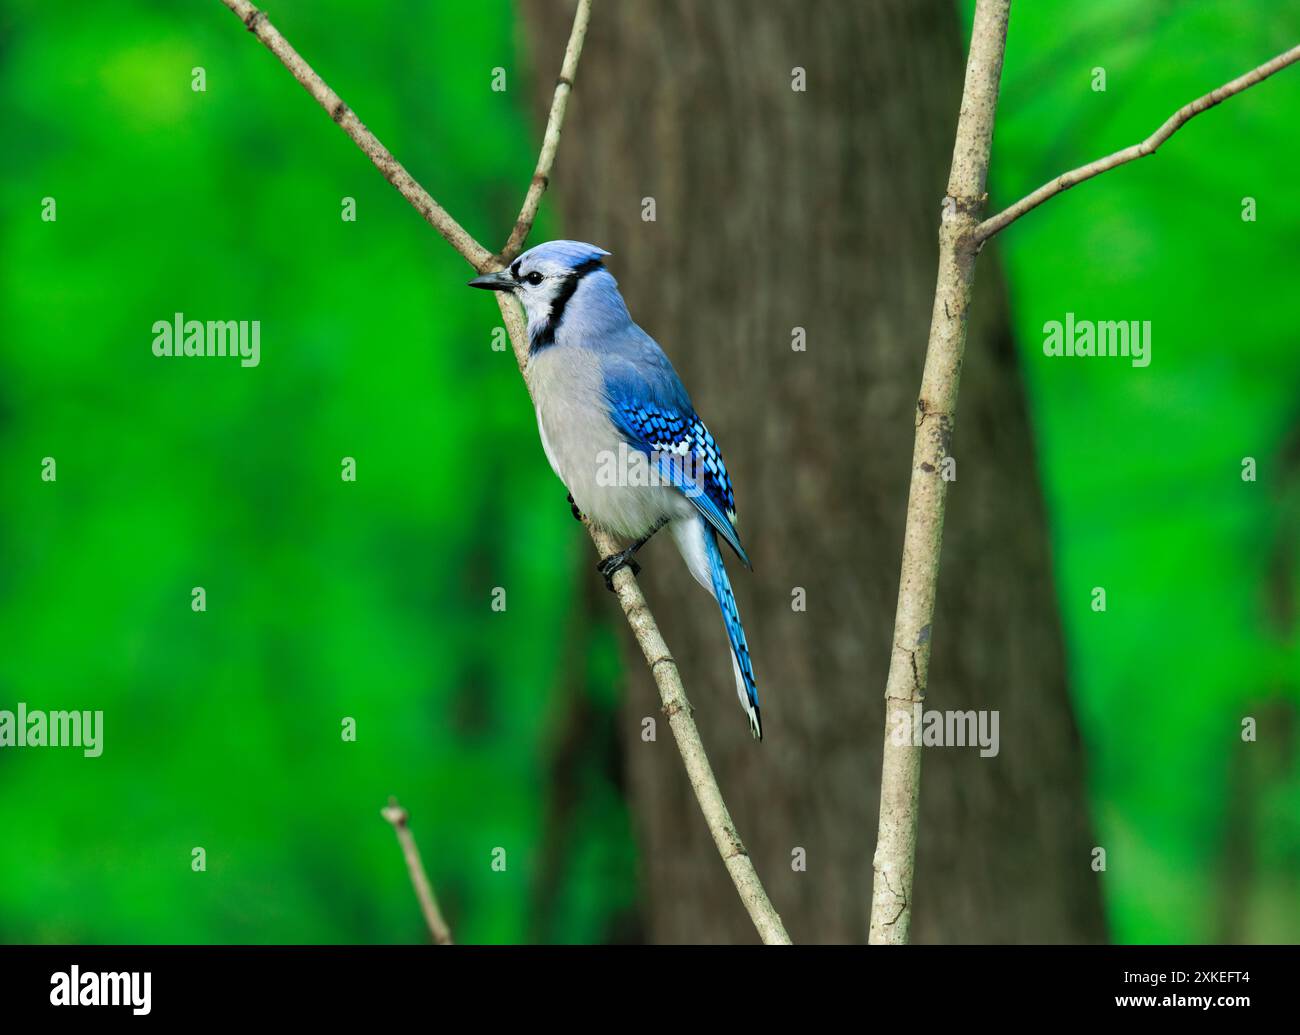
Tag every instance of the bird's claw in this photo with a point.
(577, 514)
(611, 564)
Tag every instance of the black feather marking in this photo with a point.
(546, 333)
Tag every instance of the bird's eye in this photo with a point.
(534, 278)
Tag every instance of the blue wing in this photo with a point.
(687, 457)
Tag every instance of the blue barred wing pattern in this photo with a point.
(688, 457)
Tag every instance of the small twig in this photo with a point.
(1148, 146)
(397, 816)
(551, 138)
(663, 668)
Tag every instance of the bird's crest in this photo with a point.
(568, 254)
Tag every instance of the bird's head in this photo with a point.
(544, 279)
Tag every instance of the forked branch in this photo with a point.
(961, 235)
(644, 627)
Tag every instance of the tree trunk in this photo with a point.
(778, 209)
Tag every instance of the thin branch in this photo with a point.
(961, 235)
(434, 214)
(909, 663)
(672, 695)
(662, 666)
(1148, 146)
(397, 816)
(551, 138)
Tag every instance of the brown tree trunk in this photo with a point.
(779, 209)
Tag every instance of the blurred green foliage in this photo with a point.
(1142, 468)
(325, 598)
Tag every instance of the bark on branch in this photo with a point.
(1148, 146)
(909, 661)
(662, 666)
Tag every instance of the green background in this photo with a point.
(1142, 468)
(372, 600)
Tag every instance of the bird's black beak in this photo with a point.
(499, 281)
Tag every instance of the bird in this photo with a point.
(619, 429)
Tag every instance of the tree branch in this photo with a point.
(397, 816)
(1148, 146)
(551, 138)
(961, 235)
(662, 666)
(672, 695)
(909, 662)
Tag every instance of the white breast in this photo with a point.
(583, 446)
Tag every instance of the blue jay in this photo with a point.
(619, 430)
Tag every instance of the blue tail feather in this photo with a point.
(746, 688)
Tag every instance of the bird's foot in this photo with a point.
(611, 564)
(577, 514)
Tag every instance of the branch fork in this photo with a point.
(644, 627)
(961, 237)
